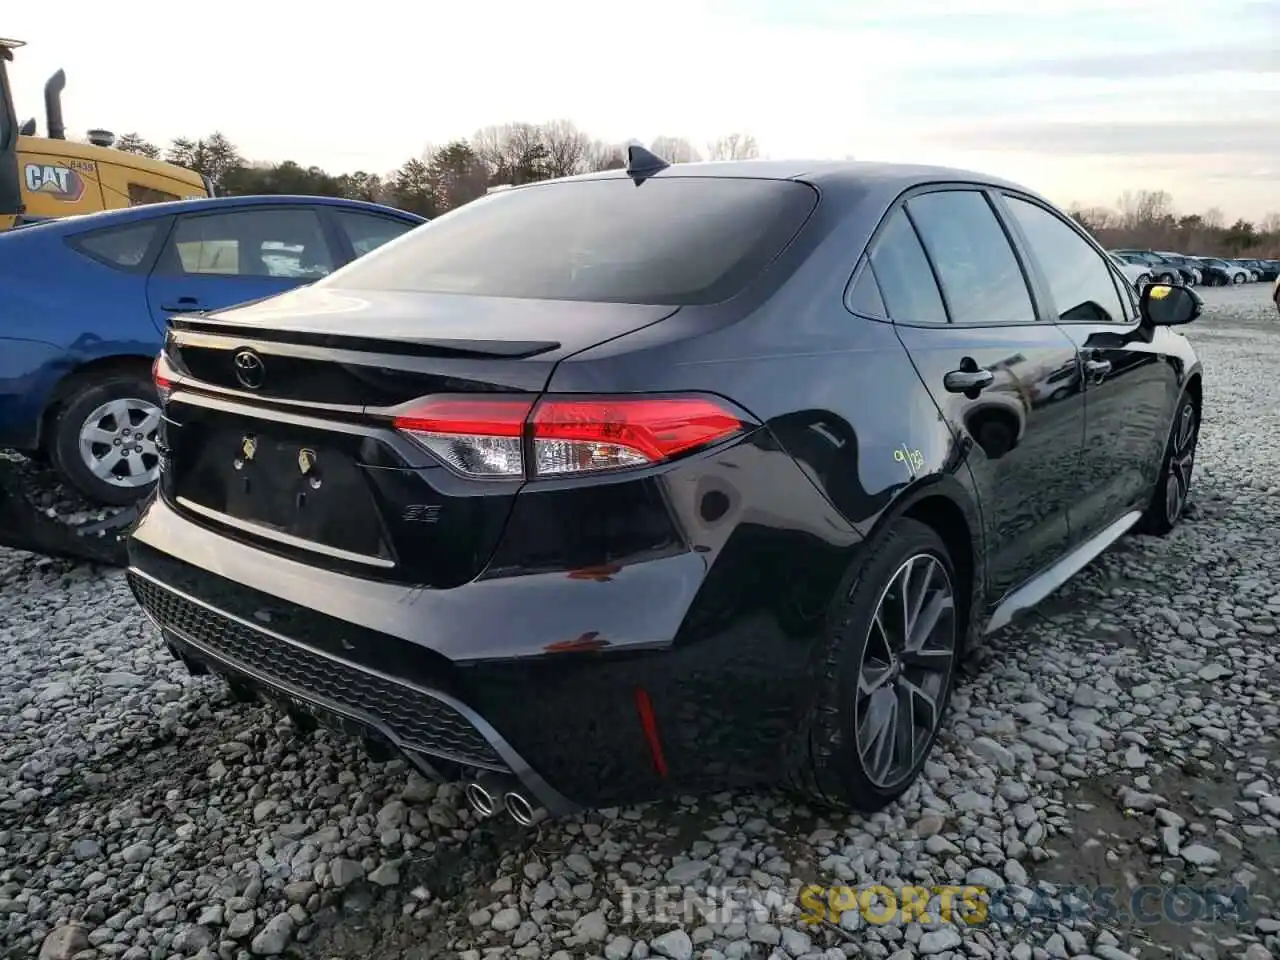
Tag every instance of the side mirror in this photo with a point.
(1163, 305)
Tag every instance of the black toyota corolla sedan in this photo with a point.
(670, 478)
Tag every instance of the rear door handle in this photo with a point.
(1097, 368)
(965, 381)
(184, 305)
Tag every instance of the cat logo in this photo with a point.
(52, 180)
(306, 460)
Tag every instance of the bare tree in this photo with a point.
(1214, 219)
(675, 149)
(514, 152)
(1093, 219)
(567, 148)
(606, 156)
(1145, 208)
(1270, 223)
(734, 146)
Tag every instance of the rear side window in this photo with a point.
(125, 247)
(905, 277)
(865, 297)
(366, 231)
(976, 266)
(670, 240)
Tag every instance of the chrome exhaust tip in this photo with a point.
(520, 809)
(483, 800)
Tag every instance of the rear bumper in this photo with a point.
(652, 675)
(456, 680)
(426, 725)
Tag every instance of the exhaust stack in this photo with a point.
(484, 795)
(55, 128)
(521, 810)
(490, 795)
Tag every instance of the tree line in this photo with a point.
(457, 172)
(1147, 220)
(444, 177)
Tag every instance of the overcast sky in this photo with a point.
(1076, 98)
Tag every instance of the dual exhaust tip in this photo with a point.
(488, 796)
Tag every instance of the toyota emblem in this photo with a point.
(249, 369)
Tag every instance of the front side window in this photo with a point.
(1081, 284)
(252, 243)
(667, 240)
(976, 266)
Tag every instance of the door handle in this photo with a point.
(184, 305)
(965, 381)
(1097, 368)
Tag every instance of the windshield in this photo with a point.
(668, 240)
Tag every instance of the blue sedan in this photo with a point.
(84, 303)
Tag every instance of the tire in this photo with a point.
(1237, 278)
(92, 423)
(827, 766)
(1169, 499)
(1144, 281)
(1167, 278)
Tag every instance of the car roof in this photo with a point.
(868, 177)
(106, 218)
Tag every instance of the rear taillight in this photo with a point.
(160, 376)
(507, 438)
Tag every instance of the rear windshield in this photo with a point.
(670, 240)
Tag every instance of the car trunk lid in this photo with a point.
(279, 423)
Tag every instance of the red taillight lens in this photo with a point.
(160, 376)
(566, 435)
(579, 436)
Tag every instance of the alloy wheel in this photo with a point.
(1182, 459)
(118, 442)
(906, 666)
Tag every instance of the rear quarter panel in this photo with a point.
(837, 391)
(60, 310)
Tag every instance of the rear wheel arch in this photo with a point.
(942, 504)
(94, 371)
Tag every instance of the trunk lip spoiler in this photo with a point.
(419, 346)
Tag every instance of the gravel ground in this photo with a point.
(1123, 737)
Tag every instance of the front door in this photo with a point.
(216, 260)
(960, 302)
(1129, 392)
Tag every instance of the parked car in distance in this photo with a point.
(1258, 269)
(1135, 270)
(1191, 269)
(1231, 271)
(86, 301)
(1162, 270)
(583, 494)
(1268, 269)
(1215, 275)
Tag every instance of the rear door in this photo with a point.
(961, 303)
(216, 260)
(1129, 391)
